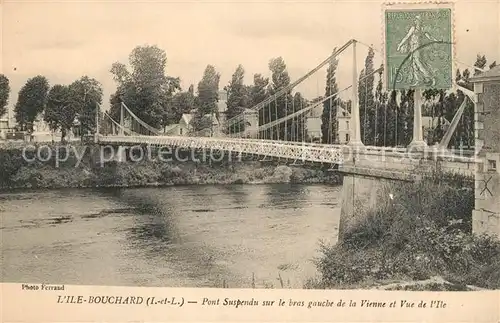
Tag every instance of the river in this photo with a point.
(185, 236)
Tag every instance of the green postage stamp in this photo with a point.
(418, 48)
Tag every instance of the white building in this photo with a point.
(313, 126)
(343, 126)
(182, 128)
(4, 127)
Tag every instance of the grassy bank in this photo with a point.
(421, 237)
(44, 171)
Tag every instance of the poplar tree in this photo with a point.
(258, 92)
(366, 99)
(237, 95)
(4, 94)
(206, 101)
(283, 104)
(330, 106)
(298, 126)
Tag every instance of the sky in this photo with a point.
(66, 40)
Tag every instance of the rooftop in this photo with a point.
(491, 75)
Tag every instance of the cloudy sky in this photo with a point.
(65, 40)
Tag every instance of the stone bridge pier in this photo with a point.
(367, 173)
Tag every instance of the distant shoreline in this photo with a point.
(18, 173)
(147, 185)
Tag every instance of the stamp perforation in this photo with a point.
(417, 5)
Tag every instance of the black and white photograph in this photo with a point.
(325, 145)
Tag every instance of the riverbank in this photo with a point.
(50, 170)
(420, 238)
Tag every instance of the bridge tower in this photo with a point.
(486, 215)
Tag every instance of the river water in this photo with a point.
(189, 236)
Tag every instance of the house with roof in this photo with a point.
(313, 126)
(212, 129)
(172, 129)
(343, 125)
(184, 126)
(314, 122)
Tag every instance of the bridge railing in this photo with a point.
(324, 154)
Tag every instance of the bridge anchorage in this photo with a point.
(282, 127)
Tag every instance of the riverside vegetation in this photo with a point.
(16, 172)
(421, 237)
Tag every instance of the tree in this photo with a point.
(329, 115)
(147, 90)
(182, 102)
(237, 96)
(208, 96)
(366, 99)
(258, 93)
(4, 94)
(405, 118)
(298, 125)
(436, 111)
(380, 127)
(392, 124)
(31, 102)
(85, 96)
(283, 104)
(481, 63)
(60, 113)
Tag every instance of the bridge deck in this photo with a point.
(280, 149)
(307, 152)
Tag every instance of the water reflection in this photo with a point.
(154, 224)
(191, 236)
(157, 238)
(287, 196)
(237, 194)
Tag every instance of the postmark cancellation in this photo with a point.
(418, 45)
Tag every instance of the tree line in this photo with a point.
(386, 117)
(158, 99)
(60, 105)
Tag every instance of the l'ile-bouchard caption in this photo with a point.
(229, 302)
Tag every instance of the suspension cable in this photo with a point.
(142, 123)
(313, 105)
(119, 126)
(365, 116)
(294, 125)
(286, 115)
(260, 105)
(396, 120)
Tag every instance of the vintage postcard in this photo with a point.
(257, 161)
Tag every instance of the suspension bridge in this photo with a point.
(265, 131)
